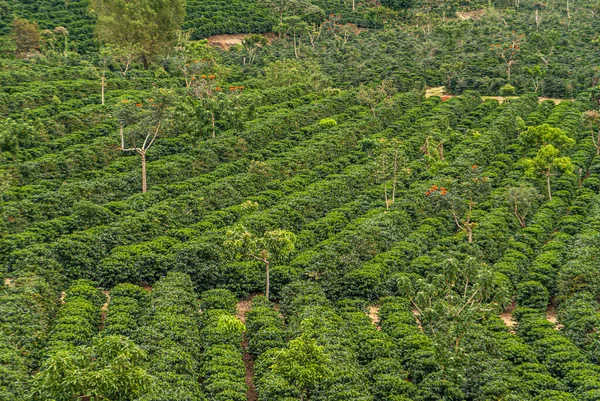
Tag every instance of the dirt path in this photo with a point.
(104, 309)
(440, 91)
(374, 315)
(507, 318)
(416, 314)
(551, 317)
(475, 14)
(241, 308)
(226, 42)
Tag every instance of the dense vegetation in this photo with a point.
(304, 215)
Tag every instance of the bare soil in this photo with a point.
(475, 14)
(374, 315)
(241, 308)
(416, 313)
(226, 42)
(440, 91)
(104, 309)
(551, 317)
(507, 318)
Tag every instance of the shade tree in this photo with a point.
(144, 123)
(271, 246)
(459, 197)
(151, 25)
(548, 161)
(521, 200)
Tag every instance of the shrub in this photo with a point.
(532, 294)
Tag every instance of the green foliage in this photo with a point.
(328, 122)
(172, 338)
(271, 164)
(508, 90)
(399, 5)
(222, 370)
(531, 294)
(111, 368)
(303, 363)
(152, 25)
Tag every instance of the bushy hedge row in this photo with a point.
(78, 318)
(416, 351)
(309, 313)
(265, 327)
(377, 352)
(562, 358)
(27, 305)
(218, 17)
(171, 336)
(527, 375)
(128, 304)
(223, 371)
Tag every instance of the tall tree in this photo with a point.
(26, 35)
(549, 142)
(460, 197)
(521, 200)
(144, 123)
(275, 244)
(150, 23)
(591, 121)
(548, 163)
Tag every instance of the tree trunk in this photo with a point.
(103, 85)
(295, 47)
(145, 61)
(548, 183)
(143, 155)
(395, 176)
(470, 234)
(519, 218)
(212, 119)
(268, 284)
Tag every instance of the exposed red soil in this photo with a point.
(226, 42)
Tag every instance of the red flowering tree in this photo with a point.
(460, 196)
(217, 102)
(508, 50)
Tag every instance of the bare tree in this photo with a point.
(145, 123)
(591, 120)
